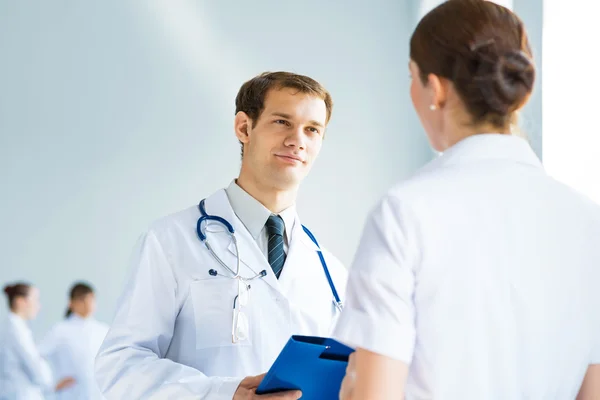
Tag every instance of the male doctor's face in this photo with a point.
(281, 146)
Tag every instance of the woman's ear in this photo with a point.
(439, 88)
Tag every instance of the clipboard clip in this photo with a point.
(328, 354)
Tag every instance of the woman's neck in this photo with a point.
(20, 314)
(459, 132)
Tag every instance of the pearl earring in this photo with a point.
(432, 107)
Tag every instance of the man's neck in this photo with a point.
(275, 200)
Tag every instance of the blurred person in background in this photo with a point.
(477, 278)
(24, 374)
(72, 344)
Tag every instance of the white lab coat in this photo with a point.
(171, 337)
(71, 347)
(24, 374)
(482, 273)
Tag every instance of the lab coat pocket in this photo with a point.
(213, 301)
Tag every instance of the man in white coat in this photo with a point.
(189, 326)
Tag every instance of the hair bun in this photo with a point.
(516, 75)
(509, 82)
(8, 289)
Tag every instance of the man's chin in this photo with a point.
(287, 181)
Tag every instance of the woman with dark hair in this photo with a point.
(476, 278)
(82, 298)
(24, 374)
(72, 344)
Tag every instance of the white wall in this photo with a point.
(426, 5)
(572, 133)
(115, 113)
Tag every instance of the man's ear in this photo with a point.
(242, 124)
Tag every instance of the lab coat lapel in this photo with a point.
(301, 259)
(252, 259)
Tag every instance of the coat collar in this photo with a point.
(488, 147)
(301, 252)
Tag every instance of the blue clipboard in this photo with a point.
(314, 365)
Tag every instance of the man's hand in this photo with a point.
(64, 383)
(247, 391)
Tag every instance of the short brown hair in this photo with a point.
(251, 96)
(483, 49)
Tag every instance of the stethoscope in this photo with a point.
(201, 230)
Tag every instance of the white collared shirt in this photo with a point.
(481, 272)
(254, 216)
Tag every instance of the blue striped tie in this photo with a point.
(275, 228)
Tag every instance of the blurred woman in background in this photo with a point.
(72, 344)
(24, 374)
